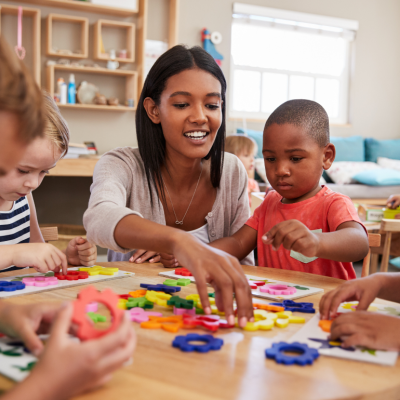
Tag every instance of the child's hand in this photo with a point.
(393, 201)
(363, 328)
(81, 252)
(365, 290)
(67, 367)
(168, 260)
(293, 235)
(27, 321)
(43, 257)
(140, 256)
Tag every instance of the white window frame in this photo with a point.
(344, 80)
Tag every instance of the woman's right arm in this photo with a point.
(109, 223)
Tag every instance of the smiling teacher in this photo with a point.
(177, 191)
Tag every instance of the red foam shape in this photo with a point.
(86, 329)
(211, 323)
(183, 272)
(124, 296)
(72, 275)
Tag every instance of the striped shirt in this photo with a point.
(15, 225)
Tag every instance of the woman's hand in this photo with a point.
(365, 290)
(371, 330)
(222, 271)
(168, 260)
(140, 256)
(81, 252)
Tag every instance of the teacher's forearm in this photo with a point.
(134, 232)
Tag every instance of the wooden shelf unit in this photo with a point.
(131, 85)
(84, 22)
(34, 13)
(83, 7)
(79, 167)
(98, 39)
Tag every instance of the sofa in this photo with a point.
(364, 168)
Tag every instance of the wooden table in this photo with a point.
(239, 370)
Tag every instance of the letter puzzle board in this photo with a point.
(315, 337)
(301, 290)
(61, 283)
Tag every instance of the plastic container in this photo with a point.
(388, 213)
(63, 93)
(71, 90)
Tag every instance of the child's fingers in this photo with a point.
(31, 339)
(63, 257)
(356, 339)
(87, 246)
(155, 259)
(137, 255)
(86, 252)
(146, 256)
(61, 324)
(292, 240)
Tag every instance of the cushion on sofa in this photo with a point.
(257, 136)
(382, 148)
(349, 148)
(389, 163)
(342, 172)
(378, 177)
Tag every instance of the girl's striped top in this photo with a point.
(15, 225)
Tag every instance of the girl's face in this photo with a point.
(40, 156)
(189, 112)
(248, 161)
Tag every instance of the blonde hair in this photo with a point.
(20, 94)
(56, 128)
(239, 144)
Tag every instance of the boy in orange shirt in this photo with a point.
(301, 225)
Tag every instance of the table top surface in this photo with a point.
(239, 370)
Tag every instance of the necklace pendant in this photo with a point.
(179, 222)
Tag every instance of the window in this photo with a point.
(281, 55)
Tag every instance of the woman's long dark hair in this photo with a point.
(150, 136)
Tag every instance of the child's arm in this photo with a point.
(365, 290)
(348, 243)
(240, 244)
(79, 251)
(87, 364)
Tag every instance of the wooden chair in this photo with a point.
(388, 226)
(374, 240)
(49, 233)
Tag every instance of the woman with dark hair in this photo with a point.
(176, 192)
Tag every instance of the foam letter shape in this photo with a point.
(159, 298)
(138, 293)
(97, 270)
(268, 307)
(169, 324)
(137, 314)
(278, 289)
(284, 318)
(325, 325)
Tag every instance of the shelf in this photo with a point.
(83, 167)
(98, 43)
(96, 107)
(83, 7)
(84, 27)
(93, 70)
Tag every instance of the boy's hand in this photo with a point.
(393, 201)
(84, 365)
(364, 290)
(140, 256)
(363, 328)
(81, 252)
(27, 321)
(168, 260)
(43, 257)
(293, 235)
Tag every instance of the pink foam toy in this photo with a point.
(40, 281)
(92, 307)
(137, 314)
(182, 311)
(278, 289)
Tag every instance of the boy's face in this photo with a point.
(294, 161)
(40, 156)
(11, 148)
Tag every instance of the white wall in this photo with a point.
(375, 81)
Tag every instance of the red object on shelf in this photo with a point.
(72, 275)
(89, 295)
(183, 272)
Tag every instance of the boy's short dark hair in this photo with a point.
(306, 114)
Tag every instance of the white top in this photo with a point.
(201, 233)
